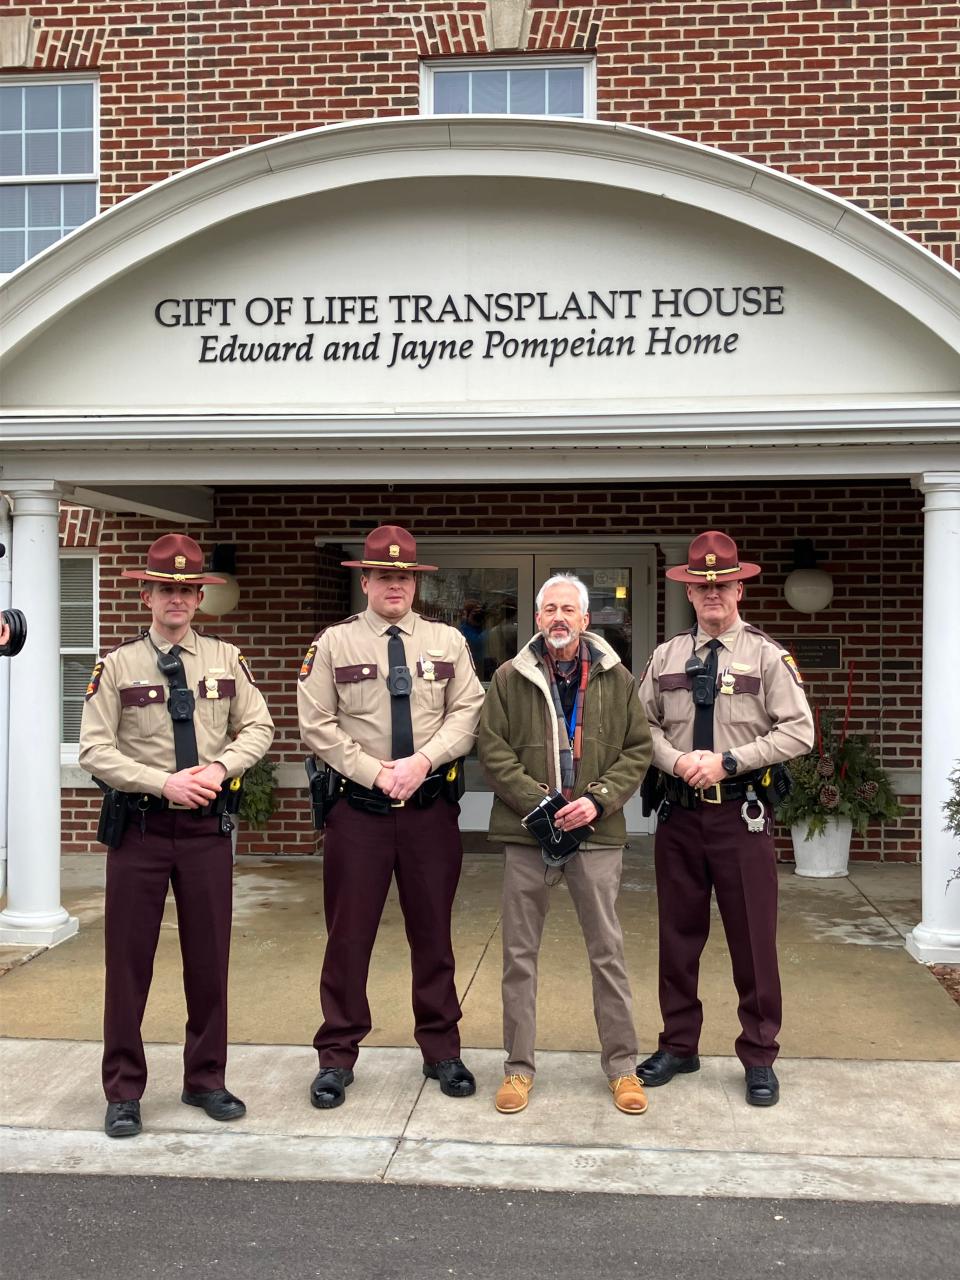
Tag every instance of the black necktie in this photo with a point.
(401, 721)
(703, 716)
(184, 732)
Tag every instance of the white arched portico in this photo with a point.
(815, 340)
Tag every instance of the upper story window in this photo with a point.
(79, 637)
(48, 163)
(510, 86)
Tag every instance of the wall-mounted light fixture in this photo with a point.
(807, 588)
(219, 599)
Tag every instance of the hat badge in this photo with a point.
(711, 559)
(179, 562)
(394, 551)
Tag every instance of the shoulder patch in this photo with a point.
(306, 666)
(94, 683)
(790, 662)
(244, 666)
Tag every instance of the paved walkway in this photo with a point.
(873, 1118)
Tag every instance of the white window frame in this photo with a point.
(62, 179)
(70, 751)
(527, 63)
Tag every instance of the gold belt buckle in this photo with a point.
(397, 804)
(705, 798)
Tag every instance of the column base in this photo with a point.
(930, 947)
(37, 935)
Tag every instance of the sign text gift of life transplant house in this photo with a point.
(653, 322)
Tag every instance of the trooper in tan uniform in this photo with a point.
(725, 703)
(168, 801)
(389, 700)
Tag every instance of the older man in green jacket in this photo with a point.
(564, 714)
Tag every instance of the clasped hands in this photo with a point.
(700, 768)
(579, 813)
(399, 779)
(196, 786)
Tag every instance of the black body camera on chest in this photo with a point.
(703, 683)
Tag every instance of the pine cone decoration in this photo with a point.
(825, 767)
(829, 797)
(867, 791)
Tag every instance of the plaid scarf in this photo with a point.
(569, 752)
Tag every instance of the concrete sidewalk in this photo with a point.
(868, 1071)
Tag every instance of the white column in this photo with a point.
(34, 915)
(936, 940)
(678, 611)
(6, 537)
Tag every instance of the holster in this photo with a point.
(326, 788)
(774, 785)
(454, 781)
(115, 815)
(652, 791)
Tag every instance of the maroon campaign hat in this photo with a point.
(712, 557)
(173, 558)
(389, 547)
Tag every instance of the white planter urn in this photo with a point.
(825, 855)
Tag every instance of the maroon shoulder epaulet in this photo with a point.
(354, 617)
(755, 631)
(687, 631)
(207, 636)
(130, 640)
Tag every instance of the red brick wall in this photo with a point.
(856, 97)
(870, 534)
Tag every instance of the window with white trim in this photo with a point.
(79, 637)
(557, 86)
(48, 163)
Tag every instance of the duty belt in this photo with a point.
(688, 797)
(373, 800)
(142, 803)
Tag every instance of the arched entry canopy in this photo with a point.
(502, 283)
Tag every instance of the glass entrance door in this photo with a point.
(489, 592)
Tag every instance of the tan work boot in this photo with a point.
(628, 1095)
(513, 1093)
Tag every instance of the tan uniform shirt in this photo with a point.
(345, 704)
(126, 734)
(763, 719)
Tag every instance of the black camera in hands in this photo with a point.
(703, 683)
(17, 623)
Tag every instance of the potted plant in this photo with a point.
(258, 799)
(837, 789)
(951, 810)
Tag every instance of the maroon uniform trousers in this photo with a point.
(194, 857)
(710, 848)
(361, 853)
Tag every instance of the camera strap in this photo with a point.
(401, 719)
(703, 715)
(184, 733)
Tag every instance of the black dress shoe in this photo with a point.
(122, 1119)
(661, 1067)
(455, 1080)
(763, 1087)
(329, 1087)
(219, 1104)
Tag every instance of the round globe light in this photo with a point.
(220, 598)
(808, 590)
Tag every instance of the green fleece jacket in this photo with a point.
(519, 742)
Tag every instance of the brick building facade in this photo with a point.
(855, 101)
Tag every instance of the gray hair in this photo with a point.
(565, 580)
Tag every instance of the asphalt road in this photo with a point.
(80, 1227)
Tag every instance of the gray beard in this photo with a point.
(558, 642)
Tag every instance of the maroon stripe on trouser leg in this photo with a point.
(429, 857)
(202, 880)
(358, 862)
(138, 872)
(683, 910)
(744, 869)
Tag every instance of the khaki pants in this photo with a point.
(593, 878)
